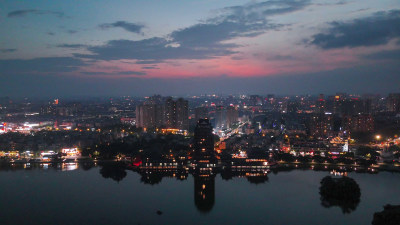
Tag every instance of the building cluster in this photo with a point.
(226, 117)
(244, 123)
(168, 113)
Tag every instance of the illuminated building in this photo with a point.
(182, 114)
(3, 127)
(219, 117)
(172, 114)
(177, 114)
(359, 123)
(270, 101)
(231, 116)
(149, 116)
(127, 120)
(48, 156)
(201, 113)
(320, 125)
(352, 106)
(255, 100)
(173, 131)
(225, 117)
(48, 110)
(71, 152)
(293, 107)
(203, 140)
(320, 104)
(65, 111)
(393, 102)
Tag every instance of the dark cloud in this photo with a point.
(200, 41)
(137, 73)
(256, 11)
(385, 55)
(148, 61)
(281, 57)
(362, 10)
(95, 73)
(150, 68)
(331, 3)
(71, 46)
(131, 27)
(72, 31)
(22, 13)
(40, 65)
(377, 29)
(7, 50)
(236, 57)
(152, 49)
(50, 33)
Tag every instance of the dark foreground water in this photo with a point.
(49, 196)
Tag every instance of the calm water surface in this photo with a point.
(40, 196)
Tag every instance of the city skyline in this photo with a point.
(195, 47)
(200, 112)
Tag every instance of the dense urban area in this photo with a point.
(326, 129)
(235, 136)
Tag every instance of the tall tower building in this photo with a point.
(232, 116)
(182, 114)
(203, 140)
(170, 113)
(177, 114)
(149, 115)
(219, 117)
(393, 102)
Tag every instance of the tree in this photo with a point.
(394, 148)
(343, 192)
(115, 171)
(389, 216)
(367, 152)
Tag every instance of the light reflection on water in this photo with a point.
(88, 194)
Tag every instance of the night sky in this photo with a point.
(103, 48)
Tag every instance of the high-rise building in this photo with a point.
(170, 113)
(320, 125)
(232, 116)
(139, 116)
(177, 114)
(393, 102)
(149, 115)
(203, 140)
(201, 113)
(359, 123)
(219, 117)
(182, 114)
(154, 100)
(154, 114)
